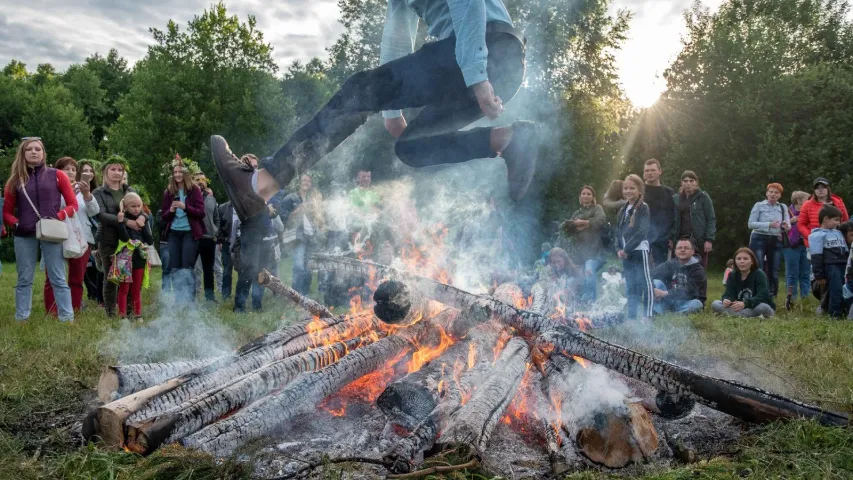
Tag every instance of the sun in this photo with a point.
(643, 93)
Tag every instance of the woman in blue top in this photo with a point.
(183, 215)
(633, 247)
(769, 221)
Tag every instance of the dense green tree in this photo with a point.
(87, 94)
(760, 92)
(52, 115)
(307, 86)
(16, 70)
(216, 77)
(14, 97)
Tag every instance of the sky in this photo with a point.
(62, 32)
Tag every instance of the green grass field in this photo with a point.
(48, 371)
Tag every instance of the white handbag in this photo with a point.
(48, 229)
(153, 257)
(76, 245)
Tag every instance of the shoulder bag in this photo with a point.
(48, 229)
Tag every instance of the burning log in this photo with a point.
(397, 304)
(303, 394)
(279, 288)
(189, 417)
(615, 434)
(118, 381)
(742, 401)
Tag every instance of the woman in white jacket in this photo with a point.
(88, 207)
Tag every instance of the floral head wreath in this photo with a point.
(186, 163)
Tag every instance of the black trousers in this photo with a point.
(207, 252)
(430, 78)
(227, 270)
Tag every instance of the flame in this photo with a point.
(472, 355)
(503, 338)
(584, 323)
(557, 424)
(365, 389)
(425, 354)
(580, 360)
(429, 258)
(519, 408)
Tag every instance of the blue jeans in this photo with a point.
(266, 261)
(770, 247)
(182, 256)
(590, 283)
(301, 277)
(166, 268)
(664, 304)
(797, 270)
(834, 289)
(26, 256)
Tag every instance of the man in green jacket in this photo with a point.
(694, 216)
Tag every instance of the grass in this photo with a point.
(48, 369)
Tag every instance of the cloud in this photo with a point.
(62, 32)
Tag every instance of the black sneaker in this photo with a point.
(789, 302)
(521, 156)
(237, 178)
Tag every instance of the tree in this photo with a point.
(760, 93)
(114, 79)
(14, 97)
(215, 77)
(52, 115)
(308, 87)
(16, 70)
(87, 94)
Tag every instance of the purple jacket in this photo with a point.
(44, 189)
(794, 235)
(195, 211)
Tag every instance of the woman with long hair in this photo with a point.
(305, 223)
(35, 191)
(747, 293)
(76, 266)
(613, 200)
(183, 214)
(584, 228)
(809, 215)
(769, 221)
(632, 233)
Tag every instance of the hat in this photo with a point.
(116, 160)
(820, 180)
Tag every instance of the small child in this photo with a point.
(135, 243)
(829, 251)
(730, 267)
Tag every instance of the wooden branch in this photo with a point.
(119, 380)
(276, 286)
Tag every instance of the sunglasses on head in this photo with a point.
(30, 138)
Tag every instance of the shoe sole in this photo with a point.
(531, 132)
(218, 144)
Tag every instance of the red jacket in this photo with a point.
(194, 210)
(809, 215)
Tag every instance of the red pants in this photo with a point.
(135, 289)
(76, 274)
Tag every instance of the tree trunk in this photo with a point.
(474, 423)
(616, 437)
(120, 380)
(275, 285)
(301, 396)
(254, 359)
(744, 402)
(189, 417)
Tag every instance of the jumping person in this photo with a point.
(458, 82)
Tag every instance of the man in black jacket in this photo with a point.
(662, 209)
(680, 284)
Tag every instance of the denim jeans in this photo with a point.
(590, 282)
(798, 270)
(166, 267)
(26, 256)
(429, 78)
(182, 257)
(663, 305)
(834, 289)
(768, 252)
(207, 255)
(252, 256)
(301, 276)
(266, 261)
(227, 270)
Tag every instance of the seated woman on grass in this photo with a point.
(747, 292)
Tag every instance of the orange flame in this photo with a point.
(580, 360)
(425, 354)
(584, 323)
(519, 408)
(472, 355)
(503, 338)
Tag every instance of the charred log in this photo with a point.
(397, 304)
(278, 287)
(120, 380)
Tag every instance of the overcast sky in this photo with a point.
(67, 31)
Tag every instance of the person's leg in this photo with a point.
(76, 274)
(123, 290)
(688, 306)
(54, 264)
(792, 270)
(805, 272)
(648, 286)
(49, 301)
(590, 283)
(298, 270)
(217, 267)
(718, 308)
(835, 284)
(774, 260)
(227, 271)
(136, 291)
(166, 268)
(207, 252)
(661, 305)
(758, 247)
(26, 258)
(762, 309)
(198, 274)
(633, 285)
(265, 260)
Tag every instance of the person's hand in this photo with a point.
(272, 211)
(738, 306)
(131, 224)
(708, 247)
(786, 226)
(85, 189)
(660, 293)
(141, 221)
(727, 303)
(208, 191)
(395, 126)
(120, 217)
(621, 254)
(821, 282)
(775, 224)
(490, 104)
(181, 205)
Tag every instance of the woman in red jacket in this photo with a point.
(35, 191)
(183, 216)
(823, 196)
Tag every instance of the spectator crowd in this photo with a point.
(661, 236)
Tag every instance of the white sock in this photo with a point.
(255, 181)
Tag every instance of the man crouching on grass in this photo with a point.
(477, 63)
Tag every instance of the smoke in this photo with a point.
(591, 390)
(184, 333)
